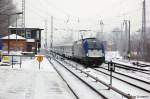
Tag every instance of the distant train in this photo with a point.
(88, 51)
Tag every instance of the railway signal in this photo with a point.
(111, 68)
(39, 58)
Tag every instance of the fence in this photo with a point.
(14, 59)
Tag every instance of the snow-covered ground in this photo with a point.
(110, 94)
(139, 94)
(110, 55)
(29, 82)
(117, 58)
(124, 86)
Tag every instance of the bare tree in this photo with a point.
(6, 7)
(147, 43)
(137, 48)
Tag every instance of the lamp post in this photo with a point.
(16, 29)
(8, 16)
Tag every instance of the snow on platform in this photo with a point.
(31, 83)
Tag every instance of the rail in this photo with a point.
(145, 71)
(132, 84)
(98, 80)
(62, 78)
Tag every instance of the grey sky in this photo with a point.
(89, 12)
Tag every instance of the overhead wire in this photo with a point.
(50, 4)
(66, 13)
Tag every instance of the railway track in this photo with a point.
(135, 78)
(123, 74)
(107, 86)
(49, 59)
(93, 89)
(142, 82)
(143, 85)
(98, 80)
(126, 67)
(141, 64)
(125, 81)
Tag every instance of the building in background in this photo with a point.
(18, 45)
(27, 39)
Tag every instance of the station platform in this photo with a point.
(29, 82)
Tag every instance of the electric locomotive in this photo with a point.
(89, 51)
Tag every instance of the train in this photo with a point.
(88, 51)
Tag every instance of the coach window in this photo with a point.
(28, 34)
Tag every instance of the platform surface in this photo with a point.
(29, 82)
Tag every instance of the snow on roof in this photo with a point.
(30, 40)
(32, 28)
(13, 36)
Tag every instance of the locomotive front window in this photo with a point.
(93, 44)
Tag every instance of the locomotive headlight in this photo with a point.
(100, 53)
(87, 54)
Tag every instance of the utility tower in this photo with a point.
(51, 36)
(144, 18)
(101, 25)
(100, 33)
(143, 29)
(23, 15)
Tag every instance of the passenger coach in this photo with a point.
(88, 51)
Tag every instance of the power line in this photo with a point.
(50, 4)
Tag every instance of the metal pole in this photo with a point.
(23, 16)
(12, 61)
(20, 60)
(122, 39)
(78, 35)
(143, 29)
(111, 77)
(16, 34)
(39, 65)
(51, 32)
(8, 34)
(129, 43)
(102, 25)
(110, 68)
(45, 33)
(126, 34)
